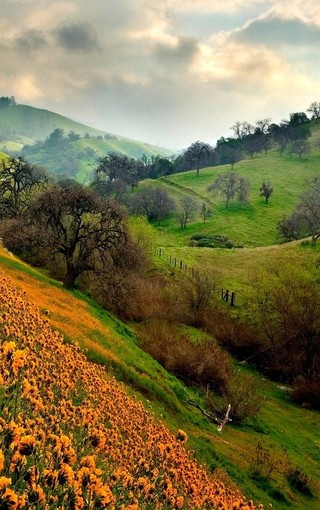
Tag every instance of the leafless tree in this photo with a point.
(73, 226)
(188, 207)
(230, 185)
(19, 181)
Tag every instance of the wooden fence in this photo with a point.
(180, 265)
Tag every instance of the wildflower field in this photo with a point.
(70, 436)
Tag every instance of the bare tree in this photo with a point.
(19, 182)
(305, 220)
(231, 186)
(300, 147)
(188, 207)
(242, 129)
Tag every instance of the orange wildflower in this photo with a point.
(10, 499)
(26, 445)
(1, 460)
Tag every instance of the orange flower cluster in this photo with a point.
(71, 438)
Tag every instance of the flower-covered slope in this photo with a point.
(71, 438)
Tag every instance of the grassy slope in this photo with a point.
(106, 340)
(254, 224)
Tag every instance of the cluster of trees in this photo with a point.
(289, 135)
(7, 101)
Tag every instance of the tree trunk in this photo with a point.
(70, 278)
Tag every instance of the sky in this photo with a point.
(165, 72)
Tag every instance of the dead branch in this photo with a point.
(221, 421)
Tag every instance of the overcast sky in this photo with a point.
(167, 72)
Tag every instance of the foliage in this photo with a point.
(306, 392)
(300, 481)
(213, 241)
(288, 310)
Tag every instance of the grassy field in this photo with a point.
(254, 224)
(280, 430)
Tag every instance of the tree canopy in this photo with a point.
(73, 226)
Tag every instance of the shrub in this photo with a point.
(300, 481)
(243, 397)
(201, 363)
(213, 241)
(307, 392)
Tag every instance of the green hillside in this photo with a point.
(22, 125)
(254, 224)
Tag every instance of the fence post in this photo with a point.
(181, 264)
(233, 299)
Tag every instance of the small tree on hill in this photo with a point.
(230, 185)
(188, 207)
(266, 190)
(205, 212)
(314, 109)
(197, 153)
(155, 203)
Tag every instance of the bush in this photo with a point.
(213, 241)
(306, 392)
(243, 397)
(300, 481)
(201, 363)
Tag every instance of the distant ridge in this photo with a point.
(23, 125)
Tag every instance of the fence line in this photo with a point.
(225, 294)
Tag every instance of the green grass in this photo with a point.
(254, 224)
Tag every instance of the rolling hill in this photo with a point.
(22, 125)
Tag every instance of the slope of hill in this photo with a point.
(253, 224)
(71, 436)
(22, 125)
(129, 472)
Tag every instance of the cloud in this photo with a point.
(167, 72)
(77, 37)
(273, 32)
(30, 41)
